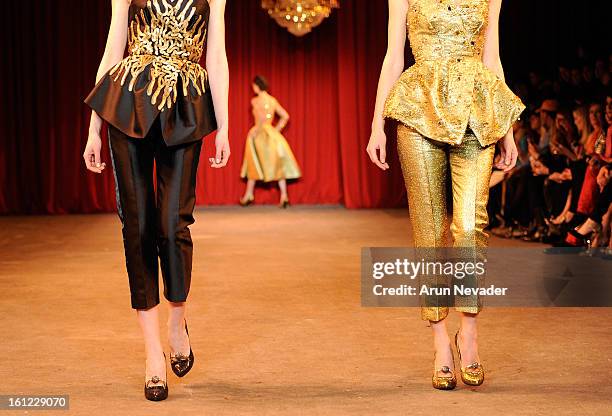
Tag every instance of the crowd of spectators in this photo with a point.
(560, 192)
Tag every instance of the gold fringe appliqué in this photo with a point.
(169, 48)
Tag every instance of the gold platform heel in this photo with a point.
(473, 374)
(444, 383)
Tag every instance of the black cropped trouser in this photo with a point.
(155, 207)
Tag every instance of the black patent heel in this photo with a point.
(182, 364)
(156, 393)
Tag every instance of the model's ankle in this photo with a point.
(441, 341)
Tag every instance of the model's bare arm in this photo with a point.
(491, 59)
(218, 74)
(392, 68)
(113, 53)
(490, 54)
(283, 116)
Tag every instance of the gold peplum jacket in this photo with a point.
(449, 88)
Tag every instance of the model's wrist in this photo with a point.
(378, 126)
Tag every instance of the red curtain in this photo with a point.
(326, 80)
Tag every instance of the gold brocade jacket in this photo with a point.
(449, 88)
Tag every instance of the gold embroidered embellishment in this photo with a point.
(169, 47)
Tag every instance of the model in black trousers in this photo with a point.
(155, 216)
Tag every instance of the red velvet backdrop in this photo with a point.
(326, 80)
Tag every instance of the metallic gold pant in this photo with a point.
(425, 165)
(155, 218)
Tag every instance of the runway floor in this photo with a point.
(275, 323)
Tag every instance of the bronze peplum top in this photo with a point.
(449, 87)
(161, 74)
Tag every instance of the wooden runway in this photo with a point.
(275, 323)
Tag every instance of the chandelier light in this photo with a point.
(299, 16)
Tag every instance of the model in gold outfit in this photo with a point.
(267, 155)
(452, 106)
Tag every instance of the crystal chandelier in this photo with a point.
(299, 16)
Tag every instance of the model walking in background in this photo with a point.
(452, 106)
(267, 155)
(159, 104)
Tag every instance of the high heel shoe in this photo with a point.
(247, 202)
(575, 239)
(284, 203)
(575, 242)
(157, 393)
(444, 382)
(473, 374)
(180, 363)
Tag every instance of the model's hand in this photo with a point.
(378, 141)
(508, 153)
(223, 150)
(91, 155)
